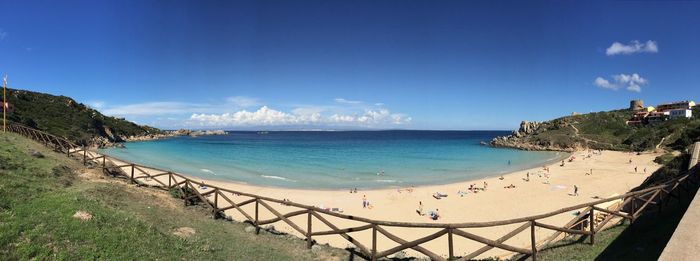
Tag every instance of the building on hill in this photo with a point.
(682, 113)
(657, 116)
(680, 105)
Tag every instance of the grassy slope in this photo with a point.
(643, 240)
(607, 130)
(65, 117)
(38, 198)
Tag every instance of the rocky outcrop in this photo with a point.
(117, 141)
(524, 139)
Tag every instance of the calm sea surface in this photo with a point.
(333, 160)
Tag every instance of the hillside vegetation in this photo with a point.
(603, 130)
(41, 195)
(63, 116)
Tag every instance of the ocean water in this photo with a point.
(335, 160)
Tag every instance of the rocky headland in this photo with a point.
(118, 141)
(525, 138)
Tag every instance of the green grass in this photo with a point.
(38, 197)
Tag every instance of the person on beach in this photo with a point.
(562, 163)
(364, 201)
(527, 177)
(635, 169)
(485, 185)
(645, 170)
(575, 190)
(420, 208)
(435, 215)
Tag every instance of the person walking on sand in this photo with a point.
(635, 169)
(420, 208)
(485, 185)
(364, 201)
(528, 176)
(575, 190)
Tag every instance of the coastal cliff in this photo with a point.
(601, 130)
(65, 117)
(524, 138)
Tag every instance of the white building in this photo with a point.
(682, 113)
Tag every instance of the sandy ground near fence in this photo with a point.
(612, 173)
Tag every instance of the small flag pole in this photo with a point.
(4, 102)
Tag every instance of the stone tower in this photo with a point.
(636, 105)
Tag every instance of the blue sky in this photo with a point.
(352, 64)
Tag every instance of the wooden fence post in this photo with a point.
(634, 209)
(170, 180)
(132, 174)
(374, 242)
(591, 225)
(216, 202)
(257, 227)
(308, 230)
(533, 243)
(103, 161)
(184, 191)
(450, 246)
(84, 157)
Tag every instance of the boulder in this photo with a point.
(249, 229)
(37, 154)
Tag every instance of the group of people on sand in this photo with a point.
(432, 214)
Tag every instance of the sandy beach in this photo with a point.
(612, 173)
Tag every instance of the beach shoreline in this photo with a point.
(612, 175)
(204, 172)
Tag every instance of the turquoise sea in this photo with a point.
(335, 160)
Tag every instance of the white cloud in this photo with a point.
(96, 104)
(243, 101)
(631, 82)
(234, 112)
(266, 116)
(341, 100)
(633, 47)
(603, 83)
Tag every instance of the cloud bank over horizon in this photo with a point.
(236, 112)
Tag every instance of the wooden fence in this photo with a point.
(590, 220)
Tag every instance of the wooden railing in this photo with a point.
(586, 223)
